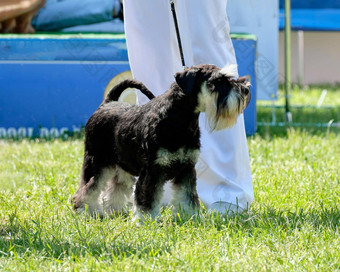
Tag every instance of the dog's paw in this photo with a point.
(141, 216)
(76, 202)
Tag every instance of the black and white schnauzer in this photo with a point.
(158, 141)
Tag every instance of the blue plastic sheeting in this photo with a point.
(313, 19)
(313, 15)
(58, 14)
(312, 4)
(51, 86)
(113, 26)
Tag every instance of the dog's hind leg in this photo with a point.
(185, 196)
(117, 196)
(148, 194)
(86, 183)
(89, 192)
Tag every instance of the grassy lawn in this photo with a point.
(294, 224)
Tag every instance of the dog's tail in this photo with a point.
(117, 90)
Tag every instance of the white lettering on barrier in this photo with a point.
(22, 132)
(54, 133)
(43, 133)
(29, 132)
(12, 132)
(3, 132)
(64, 131)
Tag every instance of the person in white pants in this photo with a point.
(224, 181)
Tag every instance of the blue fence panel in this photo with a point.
(49, 86)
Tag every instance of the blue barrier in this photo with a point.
(245, 50)
(50, 85)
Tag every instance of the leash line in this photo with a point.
(173, 10)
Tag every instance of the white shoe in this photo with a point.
(225, 208)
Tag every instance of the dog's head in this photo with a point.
(220, 95)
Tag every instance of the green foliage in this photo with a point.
(294, 224)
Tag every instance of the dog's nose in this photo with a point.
(246, 91)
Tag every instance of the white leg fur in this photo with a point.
(92, 198)
(180, 199)
(141, 215)
(117, 195)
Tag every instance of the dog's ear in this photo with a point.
(187, 79)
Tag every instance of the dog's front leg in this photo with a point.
(185, 195)
(148, 194)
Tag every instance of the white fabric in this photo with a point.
(223, 169)
(260, 18)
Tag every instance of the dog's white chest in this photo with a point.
(182, 155)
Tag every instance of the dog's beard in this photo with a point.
(225, 116)
(207, 104)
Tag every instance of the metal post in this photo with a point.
(301, 66)
(287, 59)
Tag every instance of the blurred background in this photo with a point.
(59, 57)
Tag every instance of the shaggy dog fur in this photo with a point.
(158, 141)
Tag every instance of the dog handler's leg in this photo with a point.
(148, 194)
(224, 168)
(184, 190)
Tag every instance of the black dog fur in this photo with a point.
(158, 142)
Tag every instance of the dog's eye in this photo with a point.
(223, 80)
(210, 85)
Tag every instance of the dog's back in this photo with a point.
(102, 126)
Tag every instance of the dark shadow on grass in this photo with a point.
(26, 242)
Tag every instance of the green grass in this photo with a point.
(305, 113)
(294, 224)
